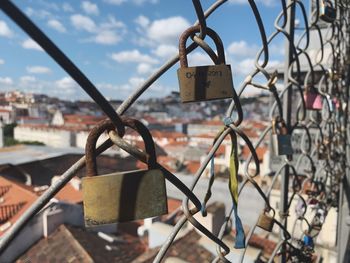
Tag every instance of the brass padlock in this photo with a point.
(122, 196)
(328, 12)
(204, 83)
(266, 221)
(282, 143)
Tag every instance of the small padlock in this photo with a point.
(335, 75)
(204, 83)
(328, 13)
(266, 221)
(308, 240)
(313, 99)
(122, 196)
(282, 143)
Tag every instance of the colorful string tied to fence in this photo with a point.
(233, 186)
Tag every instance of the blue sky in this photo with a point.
(119, 43)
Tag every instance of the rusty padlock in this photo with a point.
(282, 143)
(313, 99)
(266, 221)
(122, 196)
(204, 83)
(328, 12)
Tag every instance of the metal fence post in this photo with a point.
(287, 105)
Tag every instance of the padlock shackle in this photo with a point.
(107, 125)
(283, 127)
(192, 31)
(311, 88)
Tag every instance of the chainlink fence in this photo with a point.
(311, 103)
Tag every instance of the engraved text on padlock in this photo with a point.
(204, 83)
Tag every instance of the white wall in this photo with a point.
(48, 136)
(81, 138)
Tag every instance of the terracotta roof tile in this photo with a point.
(263, 243)
(167, 134)
(185, 248)
(72, 244)
(60, 246)
(14, 202)
(260, 151)
(173, 204)
(192, 166)
(69, 194)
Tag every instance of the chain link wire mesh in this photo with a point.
(315, 189)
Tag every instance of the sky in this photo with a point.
(118, 44)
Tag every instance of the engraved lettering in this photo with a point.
(211, 73)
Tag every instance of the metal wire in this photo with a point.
(324, 132)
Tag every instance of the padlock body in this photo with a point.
(282, 144)
(266, 222)
(313, 101)
(205, 83)
(328, 13)
(123, 197)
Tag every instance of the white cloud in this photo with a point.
(166, 51)
(136, 2)
(132, 83)
(82, 22)
(108, 32)
(38, 70)
(65, 87)
(263, 2)
(67, 7)
(115, 2)
(167, 30)
(161, 31)
(107, 37)
(136, 82)
(277, 49)
(244, 67)
(39, 13)
(142, 21)
(57, 25)
(27, 80)
(199, 58)
(2, 62)
(66, 84)
(141, 2)
(242, 49)
(145, 68)
(237, 1)
(133, 56)
(90, 8)
(6, 81)
(112, 23)
(31, 44)
(5, 31)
